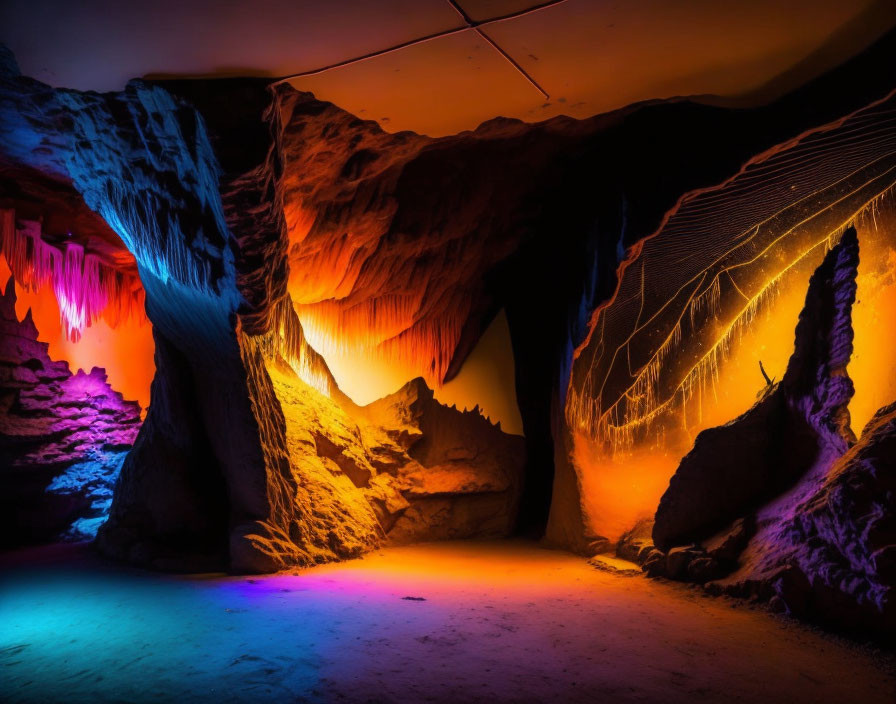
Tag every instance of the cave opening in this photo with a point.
(78, 356)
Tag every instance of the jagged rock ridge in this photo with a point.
(400, 470)
(63, 437)
(783, 503)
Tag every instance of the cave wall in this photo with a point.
(143, 161)
(227, 236)
(63, 438)
(784, 504)
(216, 477)
(655, 347)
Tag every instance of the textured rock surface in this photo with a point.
(62, 438)
(400, 470)
(404, 245)
(801, 423)
(219, 474)
(826, 550)
(816, 536)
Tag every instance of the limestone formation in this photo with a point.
(813, 510)
(63, 437)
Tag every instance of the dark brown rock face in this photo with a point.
(62, 437)
(800, 422)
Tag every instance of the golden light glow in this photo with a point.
(486, 378)
(622, 486)
(618, 491)
(873, 364)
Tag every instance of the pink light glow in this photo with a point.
(86, 287)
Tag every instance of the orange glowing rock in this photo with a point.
(401, 469)
(391, 235)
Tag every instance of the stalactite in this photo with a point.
(634, 414)
(87, 288)
(286, 340)
(404, 330)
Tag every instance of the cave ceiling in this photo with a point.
(589, 57)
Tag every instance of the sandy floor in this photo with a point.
(488, 622)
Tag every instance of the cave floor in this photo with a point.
(504, 621)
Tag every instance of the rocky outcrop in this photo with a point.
(460, 475)
(63, 438)
(837, 549)
(811, 513)
(402, 469)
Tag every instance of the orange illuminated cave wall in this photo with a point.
(623, 485)
(873, 365)
(125, 351)
(486, 378)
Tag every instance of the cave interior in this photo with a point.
(260, 326)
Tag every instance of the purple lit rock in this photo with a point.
(799, 426)
(828, 551)
(819, 507)
(62, 437)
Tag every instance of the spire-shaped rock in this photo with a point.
(801, 421)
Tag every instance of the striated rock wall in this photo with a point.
(63, 438)
(801, 423)
(783, 504)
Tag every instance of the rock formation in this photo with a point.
(403, 469)
(782, 503)
(800, 424)
(63, 437)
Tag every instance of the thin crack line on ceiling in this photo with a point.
(469, 24)
(476, 28)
